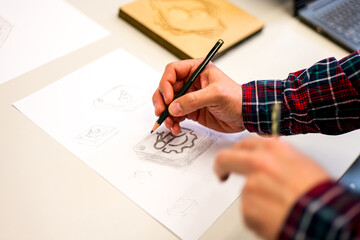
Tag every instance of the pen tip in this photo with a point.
(156, 125)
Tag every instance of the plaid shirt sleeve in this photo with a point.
(328, 211)
(321, 99)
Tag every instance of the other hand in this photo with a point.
(277, 175)
(214, 100)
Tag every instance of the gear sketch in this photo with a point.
(96, 135)
(5, 29)
(174, 150)
(123, 98)
(165, 142)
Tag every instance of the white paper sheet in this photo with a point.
(35, 32)
(103, 114)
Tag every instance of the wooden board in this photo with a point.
(190, 28)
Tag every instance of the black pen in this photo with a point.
(187, 85)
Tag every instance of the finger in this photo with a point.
(234, 161)
(158, 102)
(263, 184)
(191, 102)
(175, 124)
(248, 211)
(251, 143)
(167, 92)
(174, 72)
(262, 215)
(169, 122)
(180, 119)
(176, 128)
(193, 116)
(178, 86)
(252, 212)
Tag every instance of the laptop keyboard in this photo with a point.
(344, 18)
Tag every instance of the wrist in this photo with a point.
(242, 126)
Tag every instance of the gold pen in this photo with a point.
(275, 119)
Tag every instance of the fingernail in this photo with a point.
(174, 109)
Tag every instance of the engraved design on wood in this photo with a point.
(188, 17)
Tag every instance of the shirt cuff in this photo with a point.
(258, 100)
(328, 211)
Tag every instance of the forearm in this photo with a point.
(321, 99)
(328, 211)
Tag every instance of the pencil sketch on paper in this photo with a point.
(5, 29)
(96, 135)
(123, 98)
(174, 150)
(141, 176)
(181, 207)
(199, 17)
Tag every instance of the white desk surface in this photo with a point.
(47, 193)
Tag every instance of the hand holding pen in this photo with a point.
(213, 99)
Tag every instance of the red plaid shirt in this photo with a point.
(324, 98)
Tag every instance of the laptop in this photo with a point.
(351, 178)
(339, 20)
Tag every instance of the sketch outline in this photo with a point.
(5, 29)
(123, 98)
(96, 135)
(177, 156)
(141, 176)
(181, 207)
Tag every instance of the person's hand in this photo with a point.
(214, 100)
(277, 175)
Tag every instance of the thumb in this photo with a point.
(191, 102)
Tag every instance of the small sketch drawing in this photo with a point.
(96, 135)
(123, 98)
(5, 29)
(141, 176)
(178, 151)
(199, 17)
(181, 207)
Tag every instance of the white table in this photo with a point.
(47, 193)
